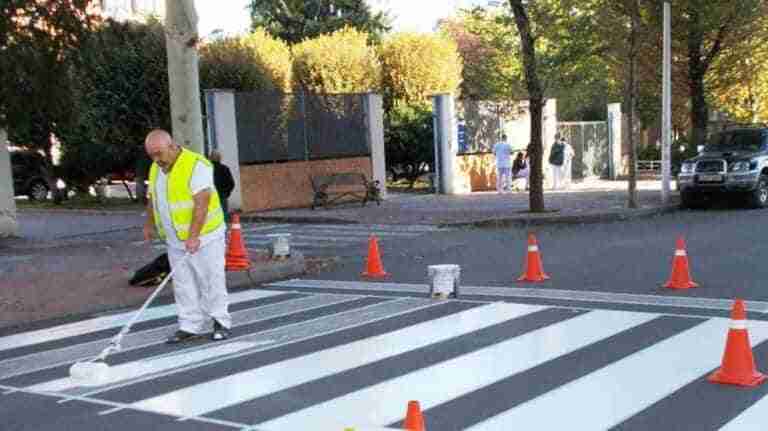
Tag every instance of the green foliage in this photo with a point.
(295, 21)
(408, 139)
(256, 62)
(417, 66)
(39, 41)
(121, 93)
(341, 62)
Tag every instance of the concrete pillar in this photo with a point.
(8, 223)
(614, 140)
(222, 135)
(374, 120)
(446, 145)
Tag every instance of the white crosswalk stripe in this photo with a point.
(320, 237)
(330, 361)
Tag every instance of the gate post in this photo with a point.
(221, 118)
(374, 120)
(614, 140)
(446, 143)
(8, 224)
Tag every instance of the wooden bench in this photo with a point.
(343, 187)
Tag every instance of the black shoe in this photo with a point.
(181, 337)
(219, 332)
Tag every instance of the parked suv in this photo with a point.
(734, 162)
(29, 175)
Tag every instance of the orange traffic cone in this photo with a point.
(738, 367)
(534, 272)
(414, 421)
(374, 268)
(681, 276)
(237, 254)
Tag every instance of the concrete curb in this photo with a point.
(555, 219)
(275, 270)
(505, 221)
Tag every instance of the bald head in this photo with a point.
(161, 149)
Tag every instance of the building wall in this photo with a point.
(8, 223)
(286, 185)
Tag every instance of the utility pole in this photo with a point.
(666, 109)
(184, 83)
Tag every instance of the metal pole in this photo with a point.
(666, 126)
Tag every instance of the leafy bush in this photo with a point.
(256, 62)
(340, 62)
(416, 66)
(408, 141)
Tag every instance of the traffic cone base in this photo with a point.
(738, 366)
(374, 267)
(414, 420)
(237, 255)
(534, 271)
(681, 274)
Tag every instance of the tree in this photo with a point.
(417, 66)
(340, 62)
(120, 91)
(295, 21)
(255, 62)
(183, 73)
(39, 41)
(536, 101)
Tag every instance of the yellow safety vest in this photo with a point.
(180, 201)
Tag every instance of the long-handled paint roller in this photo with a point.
(95, 372)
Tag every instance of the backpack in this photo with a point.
(152, 273)
(557, 154)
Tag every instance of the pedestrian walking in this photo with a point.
(560, 156)
(185, 211)
(223, 181)
(503, 152)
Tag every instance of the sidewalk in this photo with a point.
(589, 201)
(88, 275)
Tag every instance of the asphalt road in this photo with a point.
(727, 252)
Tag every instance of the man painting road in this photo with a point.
(186, 212)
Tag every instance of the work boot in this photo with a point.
(219, 332)
(181, 337)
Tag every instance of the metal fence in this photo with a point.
(590, 143)
(277, 127)
(481, 124)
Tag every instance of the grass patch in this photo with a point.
(404, 186)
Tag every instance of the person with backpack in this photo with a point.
(560, 156)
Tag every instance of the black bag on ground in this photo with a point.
(152, 273)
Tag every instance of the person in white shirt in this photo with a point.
(560, 156)
(184, 209)
(503, 153)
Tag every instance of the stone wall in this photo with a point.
(286, 185)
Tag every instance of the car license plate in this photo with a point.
(710, 178)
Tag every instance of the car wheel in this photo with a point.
(759, 197)
(38, 191)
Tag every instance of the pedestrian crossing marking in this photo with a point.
(215, 383)
(192, 401)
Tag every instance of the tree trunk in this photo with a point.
(699, 107)
(181, 45)
(536, 106)
(634, 9)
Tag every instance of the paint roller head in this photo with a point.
(89, 373)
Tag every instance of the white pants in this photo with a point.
(503, 179)
(558, 176)
(200, 287)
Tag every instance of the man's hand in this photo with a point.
(192, 245)
(149, 232)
